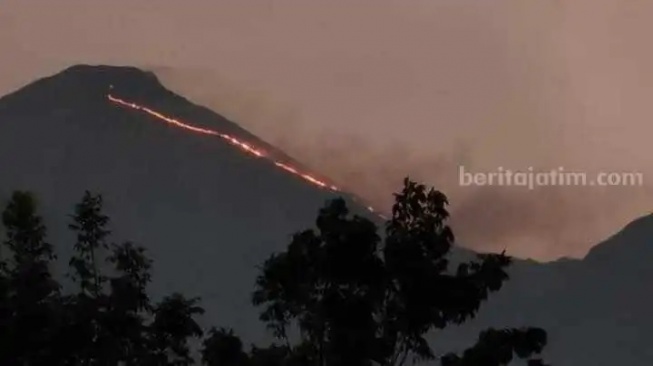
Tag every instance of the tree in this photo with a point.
(90, 225)
(129, 304)
(356, 299)
(223, 348)
(357, 302)
(118, 323)
(90, 306)
(173, 326)
(28, 288)
(498, 347)
(109, 321)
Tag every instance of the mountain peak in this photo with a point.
(124, 76)
(85, 84)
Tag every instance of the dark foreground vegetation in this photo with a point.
(348, 297)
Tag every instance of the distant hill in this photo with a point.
(597, 310)
(209, 212)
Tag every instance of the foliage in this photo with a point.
(360, 300)
(109, 321)
(355, 297)
(27, 284)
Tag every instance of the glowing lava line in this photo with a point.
(259, 153)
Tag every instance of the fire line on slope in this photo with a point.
(246, 147)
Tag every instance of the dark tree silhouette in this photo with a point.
(172, 327)
(27, 285)
(354, 298)
(89, 223)
(498, 347)
(357, 302)
(109, 321)
(223, 348)
(91, 305)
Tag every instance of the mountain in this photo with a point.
(211, 201)
(208, 210)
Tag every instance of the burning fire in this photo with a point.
(230, 139)
(243, 146)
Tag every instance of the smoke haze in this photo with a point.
(368, 91)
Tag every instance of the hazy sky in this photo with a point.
(368, 91)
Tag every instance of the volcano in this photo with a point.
(209, 207)
(211, 201)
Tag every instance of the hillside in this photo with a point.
(209, 210)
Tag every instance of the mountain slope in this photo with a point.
(208, 212)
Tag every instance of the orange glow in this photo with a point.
(243, 146)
